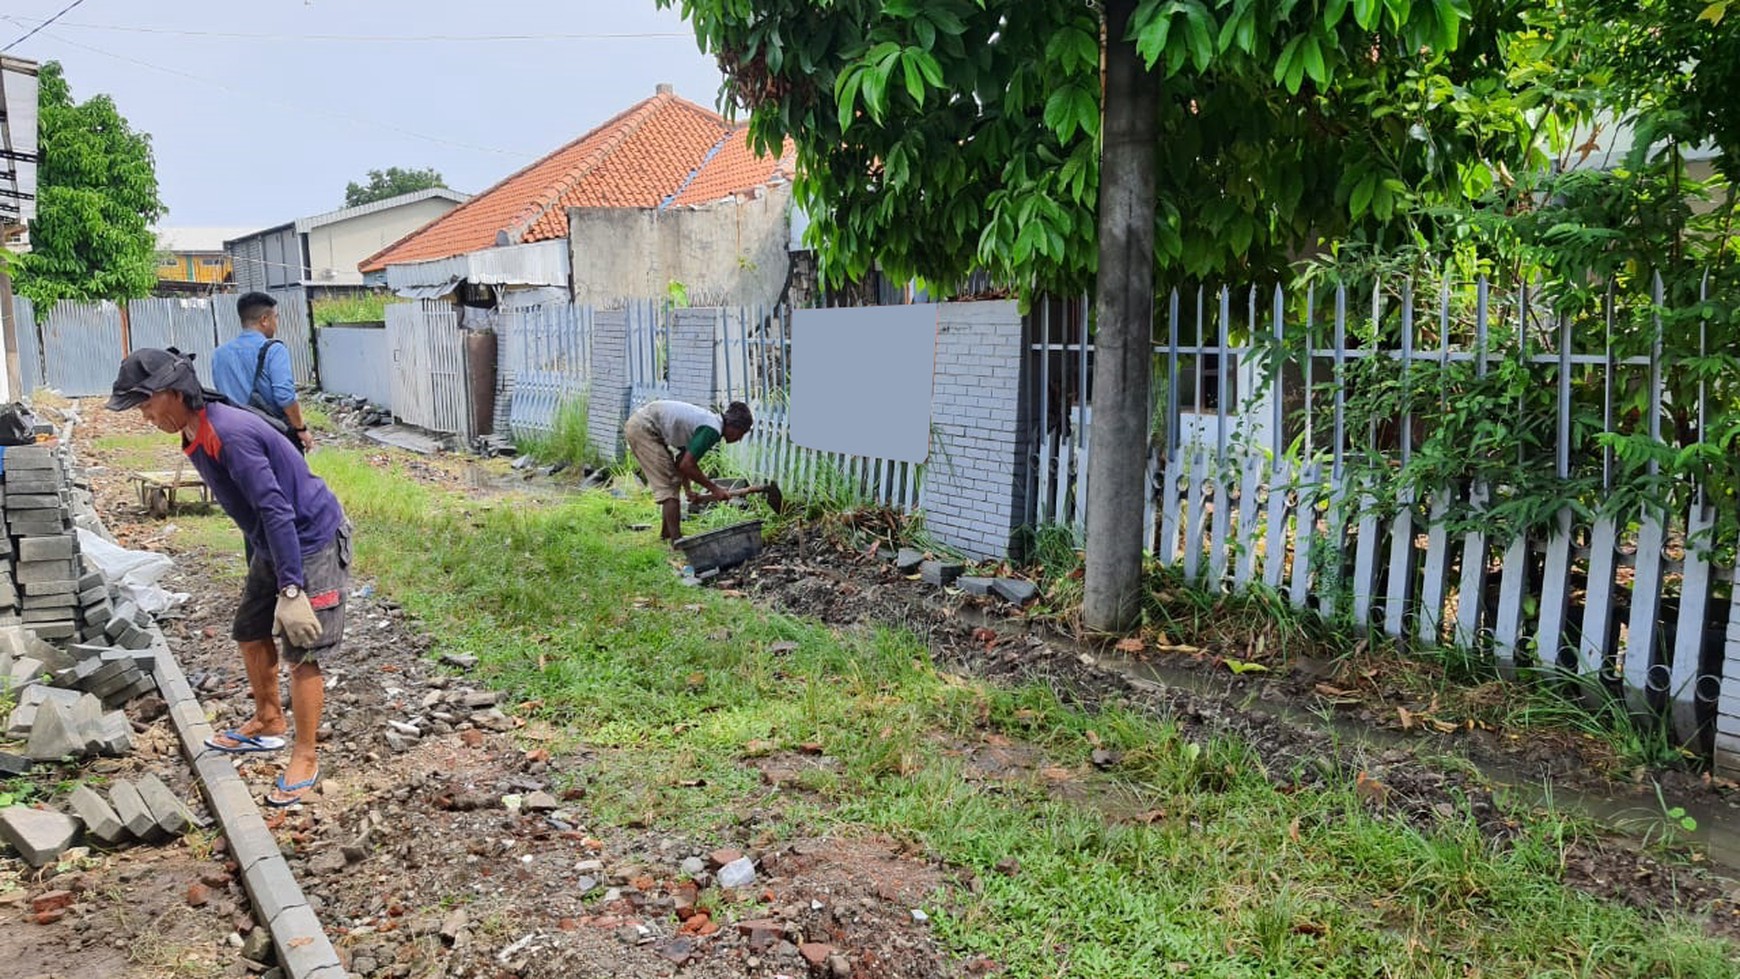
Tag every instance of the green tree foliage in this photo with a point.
(96, 201)
(391, 182)
(942, 135)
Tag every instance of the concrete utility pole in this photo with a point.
(1123, 340)
(18, 162)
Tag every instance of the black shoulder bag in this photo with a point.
(258, 406)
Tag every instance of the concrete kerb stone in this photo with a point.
(271, 887)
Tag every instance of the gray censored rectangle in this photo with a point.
(861, 380)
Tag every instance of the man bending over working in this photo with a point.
(668, 439)
(299, 546)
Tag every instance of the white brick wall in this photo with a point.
(608, 388)
(976, 477)
(1728, 706)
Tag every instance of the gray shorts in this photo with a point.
(327, 576)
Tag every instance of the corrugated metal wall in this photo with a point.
(29, 346)
(81, 347)
(185, 324)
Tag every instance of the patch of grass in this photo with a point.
(370, 308)
(1185, 859)
(142, 452)
(569, 441)
(316, 417)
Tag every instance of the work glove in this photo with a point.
(296, 621)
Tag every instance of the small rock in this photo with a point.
(585, 885)
(328, 862)
(694, 867)
(815, 953)
(459, 661)
(541, 802)
(453, 926)
(919, 916)
(678, 949)
(198, 895)
(258, 945)
(1008, 866)
(839, 967)
(737, 873)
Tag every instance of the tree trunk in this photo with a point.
(1123, 341)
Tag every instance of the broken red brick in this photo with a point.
(50, 917)
(815, 953)
(198, 895)
(472, 737)
(719, 858)
(51, 901)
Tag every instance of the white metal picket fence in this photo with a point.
(544, 361)
(1259, 480)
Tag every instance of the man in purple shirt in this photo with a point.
(299, 541)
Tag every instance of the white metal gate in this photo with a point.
(429, 381)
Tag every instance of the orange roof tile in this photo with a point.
(734, 169)
(640, 158)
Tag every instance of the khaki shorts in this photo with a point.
(657, 463)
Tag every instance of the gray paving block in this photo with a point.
(105, 670)
(19, 721)
(56, 630)
(167, 808)
(22, 671)
(134, 813)
(54, 735)
(38, 693)
(89, 650)
(92, 579)
(31, 572)
(99, 817)
(60, 600)
(12, 765)
(940, 573)
(134, 638)
(116, 737)
(36, 523)
(126, 695)
(34, 616)
(908, 560)
(33, 501)
(18, 458)
(96, 596)
(87, 719)
(38, 835)
(303, 948)
(47, 548)
(974, 585)
(126, 677)
(272, 889)
(1016, 591)
(100, 617)
(57, 587)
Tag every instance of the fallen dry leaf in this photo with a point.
(1134, 644)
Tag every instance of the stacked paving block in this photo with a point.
(46, 569)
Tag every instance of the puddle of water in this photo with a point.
(1635, 815)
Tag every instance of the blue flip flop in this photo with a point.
(299, 788)
(246, 744)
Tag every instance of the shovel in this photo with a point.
(775, 499)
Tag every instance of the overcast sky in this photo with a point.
(256, 121)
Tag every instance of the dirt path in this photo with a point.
(447, 838)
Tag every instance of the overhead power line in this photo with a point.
(34, 30)
(363, 38)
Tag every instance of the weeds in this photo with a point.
(369, 308)
(569, 441)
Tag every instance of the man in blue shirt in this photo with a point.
(254, 368)
(299, 542)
